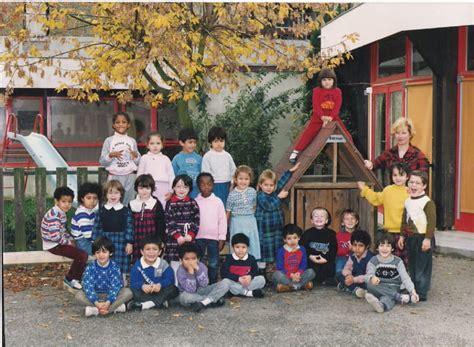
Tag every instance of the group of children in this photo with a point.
(158, 225)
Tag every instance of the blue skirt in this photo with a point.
(247, 225)
(221, 190)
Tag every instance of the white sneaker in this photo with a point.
(360, 292)
(375, 303)
(92, 311)
(122, 308)
(73, 286)
(404, 299)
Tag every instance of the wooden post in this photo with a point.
(40, 191)
(334, 162)
(61, 177)
(102, 175)
(20, 237)
(81, 176)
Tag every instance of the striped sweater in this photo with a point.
(390, 270)
(53, 228)
(82, 223)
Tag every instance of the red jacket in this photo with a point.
(327, 102)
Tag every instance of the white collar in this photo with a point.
(58, 210)
(116, 207)
(216, 152)
(287, 248)
(144, 265)
(241, 191)
(102, 266)
(237, 258)
(120, 135)
(153, 154)
(136, 204)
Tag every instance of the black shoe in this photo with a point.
(218, 303)
(197, 306)
(258, 293)
(134, 306)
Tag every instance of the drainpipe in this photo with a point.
(458, 192)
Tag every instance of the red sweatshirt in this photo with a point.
(327, 102)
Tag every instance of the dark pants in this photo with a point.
(341, 278)
(420, 266)
(212, 247)
(159, 298)
(323, 271)
(78, 256)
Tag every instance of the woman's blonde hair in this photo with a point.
(242, 169)
(111, 185)
(403, 123)
(267, 175)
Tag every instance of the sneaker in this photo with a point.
(218, 303)
(165, 305)
(281, 288)
(122, 308)
(375, 303)
(293, 157)
(360, 292)
(134, 306)
(92, 311)
(340, 286)
(309, 285)
(404, 299)
(258, 293)
(197, 306)
(73, 285)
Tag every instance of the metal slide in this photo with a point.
(45, 155)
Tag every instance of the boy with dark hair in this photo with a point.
(103, 290)
(188, 161)
(83, 220)
(193, 282)
(385, 275)
(352, 277)
(241, 269)
(151, 278)
(57, 241)
(291, 261)
(418, 225)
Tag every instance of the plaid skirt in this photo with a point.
(119, 256)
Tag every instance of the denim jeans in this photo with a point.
(340, 262)
(85, 245)
(212, 247)
(279, 277)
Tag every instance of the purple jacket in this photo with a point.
(191, 282)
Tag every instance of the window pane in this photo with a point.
(395, 108)
(140, 116)
(379, 142)
(392, 56)
(168, 123)
(80, 154)
(470, 47)
(26, 111)
(79, 122)
(420, 66)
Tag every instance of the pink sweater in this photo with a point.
(157, 165)
(213, 220)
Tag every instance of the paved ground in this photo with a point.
(47, 317)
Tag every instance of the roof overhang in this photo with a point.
(375, 21)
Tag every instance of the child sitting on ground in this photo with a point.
(103, 291)
(241, 268)
(151, 278)
(57, 241)
(291, 261)
(83, 221)
(213, 224)
(352, 277)
(385, 275)
(193, 282)
(350, 221)
(418, 225)
(321, 246)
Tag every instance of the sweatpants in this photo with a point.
(124, 295)
(212, 292)
(159, 298)
(78, 256)
(420, 265)
(279, 277)
(313, 128)
(258, 282)
(128, 182)
(386, 293)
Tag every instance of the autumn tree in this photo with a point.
(164, 51)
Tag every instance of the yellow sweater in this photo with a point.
(393, 200)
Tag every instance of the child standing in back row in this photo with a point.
(269, 214)
(240, 208)
(120, 155)
(219, 163)
(159, 166)
(188, 162)
(327, 100)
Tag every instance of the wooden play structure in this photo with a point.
(335, 189)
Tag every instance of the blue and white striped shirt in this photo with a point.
(83, 222)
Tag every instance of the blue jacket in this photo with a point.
(158, 273)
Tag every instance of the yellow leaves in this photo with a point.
(161, 22)
(189, 95)
(34, 51)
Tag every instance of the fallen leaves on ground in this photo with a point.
(19, 278)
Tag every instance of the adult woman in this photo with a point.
(403, 151)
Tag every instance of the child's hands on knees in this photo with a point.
(349, 280)
(326, 120)
(317, 259)
(188, 238)
(129, 248)
(426, 245)
(147, 288)
(181, 240)
(245, 280)
(155, 288)
(282, 194)
(375, 280)
(295, 277)
(361, 185)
